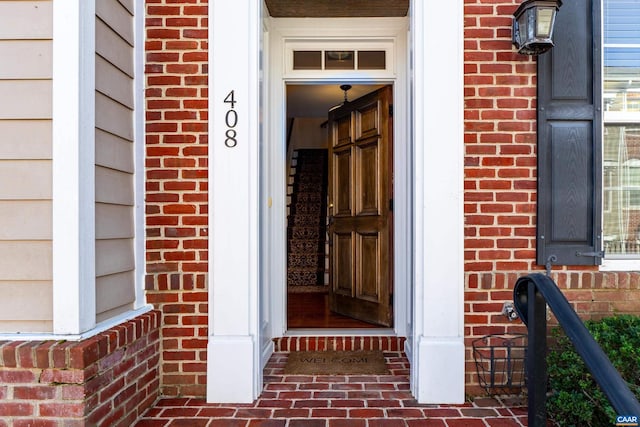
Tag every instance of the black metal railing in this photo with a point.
(531, 295)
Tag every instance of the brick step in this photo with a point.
(348, 343)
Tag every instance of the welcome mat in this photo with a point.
(336, 363)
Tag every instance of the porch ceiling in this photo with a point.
(337, 8)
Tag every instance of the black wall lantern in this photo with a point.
(533, 26)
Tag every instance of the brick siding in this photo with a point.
(176, 187)
(109, 379)
(500, 186)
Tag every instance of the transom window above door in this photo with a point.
(339, 60)
(355, 58)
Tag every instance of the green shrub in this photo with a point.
(576, 399)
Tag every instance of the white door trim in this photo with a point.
(435, 307)
(332, 34)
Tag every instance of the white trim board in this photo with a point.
(234, 372)
(139, 153)
(74, 278)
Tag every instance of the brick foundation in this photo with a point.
(109, 379)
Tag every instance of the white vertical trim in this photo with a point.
(139, 152)
(439, 353)
(275, 182)
(73, 166)
(233, 201)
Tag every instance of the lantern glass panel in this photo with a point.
(545, 19)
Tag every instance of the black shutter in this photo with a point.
(569, 138)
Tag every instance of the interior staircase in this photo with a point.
(307, 218)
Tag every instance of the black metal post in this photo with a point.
(537, 358)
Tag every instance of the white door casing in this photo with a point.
(247, 203)
(290, 34)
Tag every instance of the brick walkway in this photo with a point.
(336, 401)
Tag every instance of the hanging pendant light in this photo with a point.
(345, 88)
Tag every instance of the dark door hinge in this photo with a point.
(391, 205)
(390, 110)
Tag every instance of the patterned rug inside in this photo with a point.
(306, 230)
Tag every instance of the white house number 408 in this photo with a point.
(231, 120)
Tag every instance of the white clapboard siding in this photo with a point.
(112, 82)
(25, 99)
(26, 54)
(25, 220)
(113, 186)
(119, 259)
(111, 296)
(113, 117)
(113, 221)
(25, 139)
(31, 301)
(25, 180)
(26, 20)
(25, 59)
(25, 260)
(114, 48)
(114, 154)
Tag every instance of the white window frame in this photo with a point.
(622, 263)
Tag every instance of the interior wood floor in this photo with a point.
(311, 310)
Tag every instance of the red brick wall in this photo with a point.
(500, 185)
(108, 380)
(176, 186)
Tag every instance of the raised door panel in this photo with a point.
(368, 120)
(343, 263)
(368, 267)
(368, 179)
(342, 183)
(343, 131)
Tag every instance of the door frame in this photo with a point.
(328, 33)
(240, 207)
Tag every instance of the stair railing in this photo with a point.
(531, 295)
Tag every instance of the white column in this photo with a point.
(233, 368)
(439, 360)
(73, 166)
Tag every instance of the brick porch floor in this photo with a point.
(336, 401)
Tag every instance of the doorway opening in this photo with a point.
(339, 176)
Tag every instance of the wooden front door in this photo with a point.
(360, 208)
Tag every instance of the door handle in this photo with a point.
(330, 213)
(330, 219)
